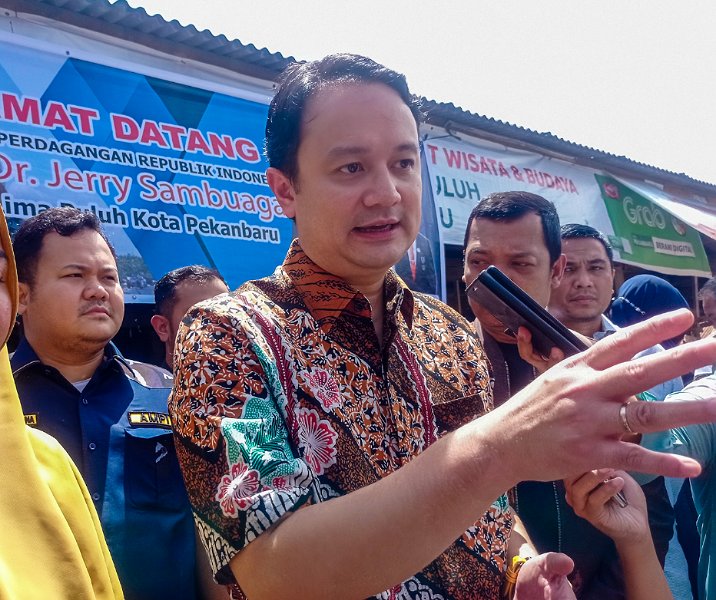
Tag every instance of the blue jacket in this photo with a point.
(118, 432)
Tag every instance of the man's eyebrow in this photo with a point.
(341, 151)
(80, 267)
(74, 266)
(408, 147)
(522, 254)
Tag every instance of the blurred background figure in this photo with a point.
(640, 298)
(175, 293)
(417, 267)
(580, 301)
(707, 295)
(644, 296)
(587, 285)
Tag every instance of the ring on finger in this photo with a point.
(624, 419)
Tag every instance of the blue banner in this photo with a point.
(175, 173)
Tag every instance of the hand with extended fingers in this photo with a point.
(572, 418)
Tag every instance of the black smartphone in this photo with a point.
(513, 307)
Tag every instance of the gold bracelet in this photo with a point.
(508, 590)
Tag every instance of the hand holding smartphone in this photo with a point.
(513, 307)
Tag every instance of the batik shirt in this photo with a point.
(284, 396)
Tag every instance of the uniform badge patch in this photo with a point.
(149, 419)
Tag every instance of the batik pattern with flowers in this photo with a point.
(285, 396)
(236, 490)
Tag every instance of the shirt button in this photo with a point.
(95, 496)
(92, 446)
(85, 401)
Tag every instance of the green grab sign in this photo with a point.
(647, 235)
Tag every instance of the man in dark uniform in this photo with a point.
(108, 412)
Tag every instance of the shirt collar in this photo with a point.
(607, 329)
(327, 296)
(26, 355)
(23, 355)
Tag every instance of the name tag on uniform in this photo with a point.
(149, 419)
(31, 419)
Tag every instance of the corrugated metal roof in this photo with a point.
(451, 115)
(136, 25)
(119, 19)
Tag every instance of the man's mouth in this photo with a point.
(94, 310)
(378, 228)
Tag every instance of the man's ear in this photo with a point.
(284, 190)
(23, 297)
(558, 270)
(614, 291)
(161, 326)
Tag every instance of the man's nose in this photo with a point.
(96, 289)
(583, 279)
(383, 189)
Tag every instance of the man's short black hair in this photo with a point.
(510, 206)
(301, 81)
(65, 221)
(165, 288)
(572, 231)
(708, 288)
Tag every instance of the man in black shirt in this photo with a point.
(519, 233)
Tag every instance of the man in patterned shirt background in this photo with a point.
(334, 428)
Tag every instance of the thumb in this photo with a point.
(556, 564)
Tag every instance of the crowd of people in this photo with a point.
(327, 432)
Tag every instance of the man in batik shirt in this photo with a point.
(326, 416)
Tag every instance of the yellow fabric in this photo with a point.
(11, 277)
(51, 541)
